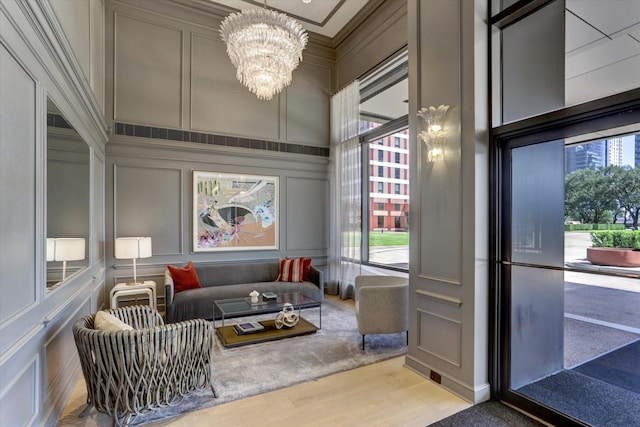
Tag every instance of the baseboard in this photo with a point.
(474, 395)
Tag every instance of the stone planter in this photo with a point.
(617, 257)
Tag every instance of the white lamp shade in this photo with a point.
(66, 249)
(133, 247)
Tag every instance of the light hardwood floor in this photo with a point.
(381, 394)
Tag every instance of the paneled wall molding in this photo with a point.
(447, 280)
(67, 302)
(440, 297)
(448, 350)
(19, 344)
(46, 26)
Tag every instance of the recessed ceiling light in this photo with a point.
(306, 1)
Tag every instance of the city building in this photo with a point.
(389, 183)
(594, 155)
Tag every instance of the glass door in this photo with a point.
(567, 323)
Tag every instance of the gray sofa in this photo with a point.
(223, 281)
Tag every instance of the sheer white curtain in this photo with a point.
(346, 191)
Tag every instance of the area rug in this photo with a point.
(620, 367)
(488, 414)
(254, 369)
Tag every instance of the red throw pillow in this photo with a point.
(306, 268)
(290, 270)
(184, 278)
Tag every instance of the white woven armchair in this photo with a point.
(382, 305)
(133, 372)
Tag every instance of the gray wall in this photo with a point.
(38, 362)
(176, 107)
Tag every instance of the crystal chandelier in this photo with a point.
(265, 47)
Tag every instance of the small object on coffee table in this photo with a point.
(248, 328)
(287, 317)
(254, 297)
(269, 296)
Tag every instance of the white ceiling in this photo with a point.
(602, 48)
(325, 17)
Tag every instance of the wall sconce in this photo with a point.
(65, 249)
(133, 247)
(435, 137)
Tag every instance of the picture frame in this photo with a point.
(234, 212)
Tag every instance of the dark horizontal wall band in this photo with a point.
(209, 138)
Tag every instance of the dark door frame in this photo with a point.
(611, 112)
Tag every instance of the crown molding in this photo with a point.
(360, 17)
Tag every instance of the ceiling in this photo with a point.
(602, 48)
(325, 17)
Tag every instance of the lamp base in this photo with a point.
(135, 283)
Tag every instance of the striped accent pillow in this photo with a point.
(290, 270)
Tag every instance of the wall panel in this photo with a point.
(97, 50)
(75, 17)
(308, 109)
(148, 202)
(98, 209)
(307, 227)
(440, 336)
(18, 177)
(18, 397)
(148, 73)
(219, 102)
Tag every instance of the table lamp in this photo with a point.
(133, 247)
(65, 249)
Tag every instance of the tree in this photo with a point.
(625, 187)
(588, 196)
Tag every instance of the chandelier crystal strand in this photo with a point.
(265, 47)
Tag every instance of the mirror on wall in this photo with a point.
(68, 206)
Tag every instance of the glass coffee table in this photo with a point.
(241, 307)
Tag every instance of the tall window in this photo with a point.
(384, 113)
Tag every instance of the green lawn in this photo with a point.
(390, 238)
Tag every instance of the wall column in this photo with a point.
(449, 198)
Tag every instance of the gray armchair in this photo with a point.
(132, 372)
(382, 305)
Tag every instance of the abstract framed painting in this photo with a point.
(234, 212)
